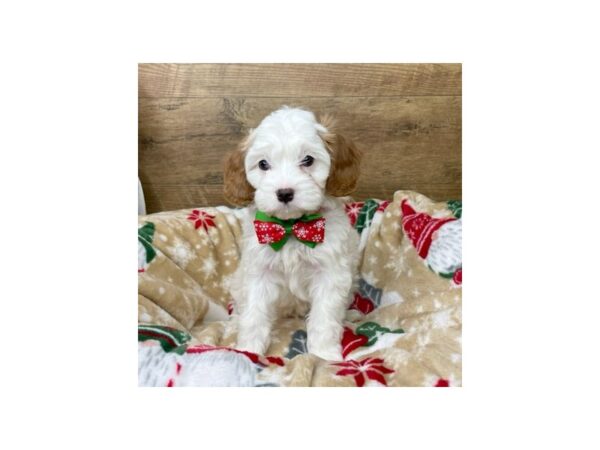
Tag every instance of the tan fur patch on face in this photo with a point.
(345, 160)
(236, 188)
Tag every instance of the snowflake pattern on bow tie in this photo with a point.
(268, 233)
(313, 231)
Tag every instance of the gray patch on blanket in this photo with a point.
(369, 291)
(298, 344)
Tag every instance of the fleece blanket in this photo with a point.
(403, 327)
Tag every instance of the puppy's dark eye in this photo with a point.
(307, 161)
(263, 165)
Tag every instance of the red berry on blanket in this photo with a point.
(457, 277)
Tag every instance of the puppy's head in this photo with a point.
(288, 164)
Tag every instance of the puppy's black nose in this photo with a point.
(285, 195)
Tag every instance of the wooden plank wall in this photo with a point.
(405, 117)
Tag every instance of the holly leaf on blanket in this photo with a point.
(372, 331)
(297, 344)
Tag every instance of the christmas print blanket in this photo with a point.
(403, 327)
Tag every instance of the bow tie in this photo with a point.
(308, 229)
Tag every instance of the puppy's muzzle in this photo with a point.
(285, 195)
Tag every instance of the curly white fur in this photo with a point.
(269, 282)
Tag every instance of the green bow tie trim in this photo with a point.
(308, 229)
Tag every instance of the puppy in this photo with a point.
(290, 170)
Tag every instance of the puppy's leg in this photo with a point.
(325, 321)
(257, 315)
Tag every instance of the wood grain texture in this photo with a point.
(298, 80)
(409, 141)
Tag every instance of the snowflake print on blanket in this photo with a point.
(201, 219)
(352, 211)
(371, 368)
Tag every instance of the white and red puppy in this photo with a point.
(288, 167)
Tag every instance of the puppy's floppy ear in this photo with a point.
(345, 160)
(236, 188)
